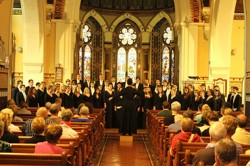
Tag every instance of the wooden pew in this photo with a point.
(30, 148)
(15, 159)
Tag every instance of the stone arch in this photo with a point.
(156, 19)
(98, 18)
(130, 17)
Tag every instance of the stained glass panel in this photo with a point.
(80, 62)
(86, 33)
(132, 61)
(121, 65)
(127, 36)
(87, 61)
(165, 64)
(172, 65)
(167, 35)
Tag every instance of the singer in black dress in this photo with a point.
(109, 106)
(129, 108)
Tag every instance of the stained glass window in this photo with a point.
(86, 33)
(172, 65)
(127, 35)
(80, 62)
(87, 61)
(121, 65)
(132, 61)
(165, 64)
(167, 35)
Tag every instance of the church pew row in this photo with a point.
(243, 158)
(30, 148)
(31, 159)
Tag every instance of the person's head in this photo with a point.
(84, 111)
(212, 117)
(31, 91)
(58, 101)
(187, 125)
(227, 111)
(88, 78)
(42, 112)
(110, 87)
(210, 92)
(119, 85)
(9, 112)
(68, 82)
(38, 125)
(146, 81)
(217, 131)
(175, 106)
(196, 93)
(230, 123)
(200, 107)
(178, 118)
(138, 80)
(1, 128)
(242, 120)
(112, 79)
(67, 89)
(100, 77)
(42, 85)
(31, 82)
(225, 152)
(235, 89)
(54, 109)
(67, 115)
(92, 84)
(53, 133)
(14, 109)
(19, 83)
(203, 87)
(6, 119)
(11, 102)
(50, 89)
(205, 110)
(129, 81)
(160, 89)
(86, 91)
(78, 76)
(165, 105)
(90, 106)
(23, 105)
(216, 88)
(186, 90)
(23, 88)
(190, 87)
(47, 105)
(188, 114)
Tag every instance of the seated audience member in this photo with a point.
(23, 110)
(90, 106)
(211, 118)
(175, 108)
(177, 123)
(198, 113)
(217, 132)
(52, 136)
(4, 146)
(65, 124)
(11, 102)
(58, 101)
(225, 153)
(190, 114)
(12, 127)
(14, 109)
(205, 110)
(41, 112)
(224, 112)
(84, 113)
(7, 135)
(185, 135)
(165, 112)
(54, 109)
(241, 136)
(231, 124)
(38, 125)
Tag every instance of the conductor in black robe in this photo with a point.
(129, 108)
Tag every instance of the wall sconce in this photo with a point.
(234, 51)
(19, 49)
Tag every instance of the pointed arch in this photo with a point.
(156, 19)
(130, 17)
(98, 17)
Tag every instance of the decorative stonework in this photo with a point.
(59, 9)
(17, 11)
(195, 6)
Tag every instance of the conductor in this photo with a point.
(129, 109)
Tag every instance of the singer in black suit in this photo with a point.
(100, 82)
(21, 96)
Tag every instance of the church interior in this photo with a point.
(179, 42)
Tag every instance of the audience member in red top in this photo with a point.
(52, 135)
(185, 135)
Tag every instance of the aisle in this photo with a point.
(124, 153)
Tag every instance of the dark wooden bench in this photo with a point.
(22, 159)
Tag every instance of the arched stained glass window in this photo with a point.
(127, 35)
(87, 61)
(132, 61)
(121, 65)
(80, 62)
(165, 64)
(167, 35)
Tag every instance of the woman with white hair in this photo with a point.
(84, 113)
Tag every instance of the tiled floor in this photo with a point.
(125, 153)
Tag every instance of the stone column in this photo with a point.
(33, 43)
(247, 57)
(222, 15)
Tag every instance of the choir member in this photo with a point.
(195, 101)
(57, 92)
(49, 95)
(32, 99)
(16, 89)
(21, 95)
(98, 99)
(77, 97)
(118, 107)
(159, 98)
(109, 106)
(67, 98)
(210, 99)
(173, 96)
(113, 82)
(92, 88)
(219, 100)
(185, 99)
(31, 82)
(167, 90)
(100, 81)
(40, 94)
(87, 96)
